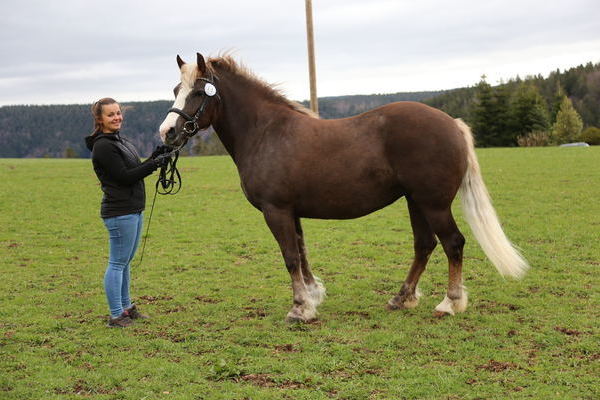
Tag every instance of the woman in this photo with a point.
(121, 174)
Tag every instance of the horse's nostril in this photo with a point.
(171, 133)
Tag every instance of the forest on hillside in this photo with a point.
(563, 107)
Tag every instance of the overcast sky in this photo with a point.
(76, 51)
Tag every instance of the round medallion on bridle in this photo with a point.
(210, 89)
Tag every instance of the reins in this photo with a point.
(168, 183)
(169, 178)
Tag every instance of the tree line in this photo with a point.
(532, 111)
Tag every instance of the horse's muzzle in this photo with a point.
(170, 136)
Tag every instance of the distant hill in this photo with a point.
(58, 130)
(346, 106)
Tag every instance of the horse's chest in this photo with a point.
(251, 192)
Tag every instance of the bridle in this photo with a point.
(190, 126)
(169, 179)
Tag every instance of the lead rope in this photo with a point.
(170, 185)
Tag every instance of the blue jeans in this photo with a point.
(124, 234)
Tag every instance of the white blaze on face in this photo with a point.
(189, 73)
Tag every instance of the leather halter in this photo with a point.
(190, 126)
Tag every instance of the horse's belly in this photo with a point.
(345, 203)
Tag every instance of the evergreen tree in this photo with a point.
(501, 113)
(557, 100)
(483, 115)
(528, 111)
(491, 116)
(568, 123)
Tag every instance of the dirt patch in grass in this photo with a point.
(154, 299)
(286, 348)
(362, 314)
(567, 331)
(497, 366)
(266, 380)
(205, 299)
(83, 388)
(254, 312)
(496, 306)
(175, 310)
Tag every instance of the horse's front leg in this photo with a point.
(282, 225)
(315, 286)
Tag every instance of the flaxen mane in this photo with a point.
(270, 91)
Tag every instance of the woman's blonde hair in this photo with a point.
(97, 112)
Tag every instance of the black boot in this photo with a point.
(122, 321)
(134, 313)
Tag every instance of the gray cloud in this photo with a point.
(74, 51)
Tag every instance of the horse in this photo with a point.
(294, 165)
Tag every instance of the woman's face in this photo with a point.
(111, 118)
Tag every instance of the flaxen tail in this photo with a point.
(482, 218)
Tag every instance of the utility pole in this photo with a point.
(314, 103)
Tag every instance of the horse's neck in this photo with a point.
(242, 119)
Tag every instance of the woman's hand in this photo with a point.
(159, 151)
(162, 160)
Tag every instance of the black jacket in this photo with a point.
(121, 173)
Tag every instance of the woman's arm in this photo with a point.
(111, 161)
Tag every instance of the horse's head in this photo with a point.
(195, 107)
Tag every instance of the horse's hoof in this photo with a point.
(451, 307)
(298, 320)
(294, 320)
(296, 316)
(441, 314)
(395, 305)
(402, 302)
(391, 306)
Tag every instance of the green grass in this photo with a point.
(217, 290)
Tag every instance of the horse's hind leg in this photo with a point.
(424, 243)
(444, 226)
(282, 225)
(315, 287)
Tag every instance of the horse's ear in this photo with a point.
(201, 63)
(180, 62)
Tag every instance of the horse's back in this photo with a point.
(420, 143)
(404, 124)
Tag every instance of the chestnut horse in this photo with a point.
(293, 165)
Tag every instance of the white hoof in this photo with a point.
(451, 307)
(305, 313)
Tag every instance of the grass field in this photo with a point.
(217, 290)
